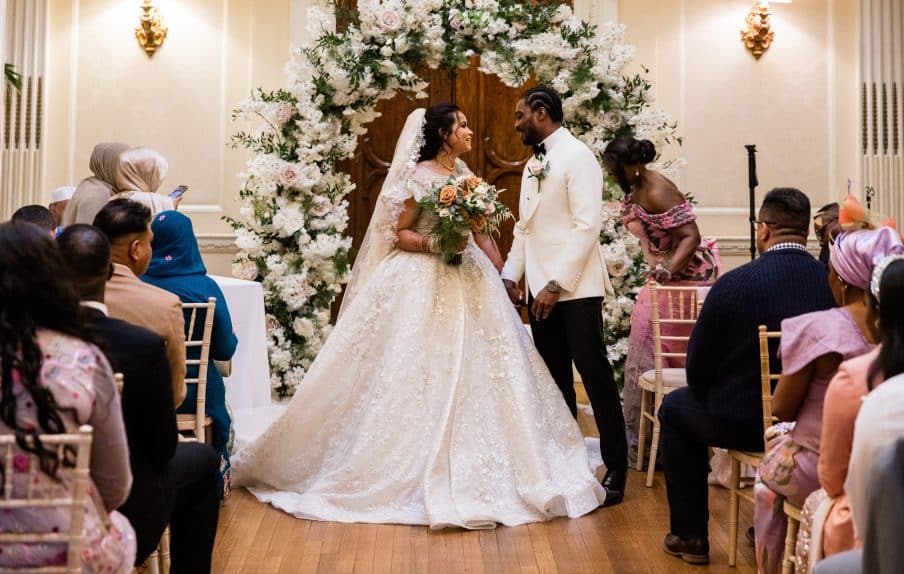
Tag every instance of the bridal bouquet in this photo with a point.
(461, 205)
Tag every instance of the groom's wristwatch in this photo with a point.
(553, 286)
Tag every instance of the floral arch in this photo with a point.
(290, 232)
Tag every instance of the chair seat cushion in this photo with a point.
(671, 379)
(747, 457)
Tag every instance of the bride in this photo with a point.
(428, 404)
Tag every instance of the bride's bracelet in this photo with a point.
(430, 244)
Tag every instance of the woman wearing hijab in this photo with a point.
(94, 192)
(138, 175)
(812, 347)
(176, 266)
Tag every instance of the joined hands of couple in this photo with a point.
(543, 304)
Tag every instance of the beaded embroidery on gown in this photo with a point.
(428, 404)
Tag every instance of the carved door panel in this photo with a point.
(497, 154)
(375, 149)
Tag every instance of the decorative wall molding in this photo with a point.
(729, 245)
(217, 243)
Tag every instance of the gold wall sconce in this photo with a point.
(150, 31)
(758, 35)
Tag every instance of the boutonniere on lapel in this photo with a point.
(538, 165)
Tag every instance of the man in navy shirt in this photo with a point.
(721, 405)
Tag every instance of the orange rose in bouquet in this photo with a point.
(447, 195)
(462, 205)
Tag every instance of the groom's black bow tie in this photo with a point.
(539, 149)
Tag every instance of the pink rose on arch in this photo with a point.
(456, 23)
(321, 206)
(272, 324)
(285, 112)
(288, 175)
(390, 20)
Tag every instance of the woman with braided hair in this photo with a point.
(51, 382)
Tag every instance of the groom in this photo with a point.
(556, 245)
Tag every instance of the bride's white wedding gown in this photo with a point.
(428, 404)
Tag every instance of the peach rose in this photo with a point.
(447, 195)
(473, 183)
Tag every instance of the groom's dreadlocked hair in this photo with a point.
(438, 122)
(544, 97)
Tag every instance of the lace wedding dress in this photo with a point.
(428, 404)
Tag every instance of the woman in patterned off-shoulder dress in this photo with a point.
(662, 218)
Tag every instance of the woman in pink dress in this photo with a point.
(832, 525)
(52, 382)
(812, 347)
(663, 219)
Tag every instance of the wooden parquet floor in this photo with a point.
(256, 538)
(625, 539)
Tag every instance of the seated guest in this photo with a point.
(177, 267)
(175, 482)
(826, 227)
(59, 199)
(882, 552)
(844, 396)
(95, 191)
(52, 382)
(36, 215)
(127, 226)
(138, 176)
(812, 347)
(722, 406)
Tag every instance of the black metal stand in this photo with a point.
(751, 184)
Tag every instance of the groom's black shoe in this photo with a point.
(691, 550)
(614, 483)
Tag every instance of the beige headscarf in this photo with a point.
(93, 192)
(138, 175)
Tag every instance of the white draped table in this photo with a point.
(249, 385)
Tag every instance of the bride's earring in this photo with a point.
(637, 173)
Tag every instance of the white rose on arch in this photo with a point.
(390, 20)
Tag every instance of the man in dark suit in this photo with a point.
(174, 483)
(721, 405)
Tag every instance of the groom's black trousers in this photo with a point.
(574, 332)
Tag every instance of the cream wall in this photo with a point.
(798, 102)
(101, 87)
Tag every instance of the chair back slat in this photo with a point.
(680, 309)
(73, 498)
(193, 342)
(766, 376)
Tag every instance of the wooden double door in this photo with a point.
(497, 154)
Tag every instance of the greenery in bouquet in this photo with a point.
(462, 205)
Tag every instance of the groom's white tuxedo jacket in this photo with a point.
(557, 236)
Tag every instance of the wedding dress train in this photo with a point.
(428, 404)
